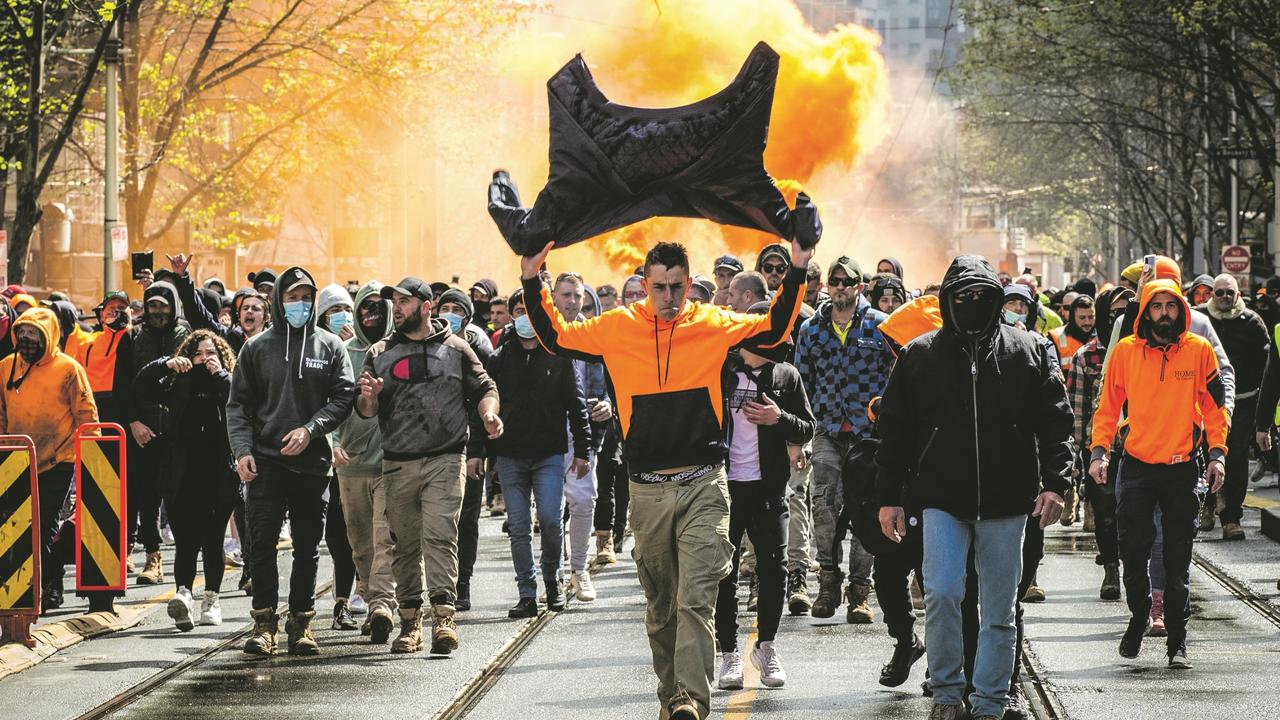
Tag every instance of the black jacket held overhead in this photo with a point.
(973, 427)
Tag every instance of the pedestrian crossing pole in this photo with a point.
(19, 539)
(101, 512)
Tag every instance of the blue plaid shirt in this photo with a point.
(841, 379)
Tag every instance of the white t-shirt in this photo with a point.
(744, 446)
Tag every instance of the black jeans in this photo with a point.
(335, 536)
(53, 485)
(1102, 498)
(274, 492)
(146, 466)
(198, 515)
(613, 491)
(1142, 488)
(763, 515)
(469, 527)
(893, 565)
(1238, 443)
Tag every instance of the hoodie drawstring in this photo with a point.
(302, 350)
(657, 352)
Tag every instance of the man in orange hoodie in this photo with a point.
(46, 395)
(664, 356)
(1168, 379)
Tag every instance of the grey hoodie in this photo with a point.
(287, 378)
(360, 437)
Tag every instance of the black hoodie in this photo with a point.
(1000, 391)
(150, 343)
(287, 378)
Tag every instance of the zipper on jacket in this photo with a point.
(977, 448)
(920, 460)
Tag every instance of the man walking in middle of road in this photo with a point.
(664, 355)
(419, 383)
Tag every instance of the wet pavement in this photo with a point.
(592, 661)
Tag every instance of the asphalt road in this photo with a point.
(592, 661)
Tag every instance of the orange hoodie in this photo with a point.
(666, 375)
(912, 320)
(48, 400)
(1173, 395)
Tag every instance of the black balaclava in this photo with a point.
(1107, 318)
(973, 318)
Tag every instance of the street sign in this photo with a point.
(1236, 259)
(120, 242)
(1236, 152)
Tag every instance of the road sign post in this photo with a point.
(19, 539)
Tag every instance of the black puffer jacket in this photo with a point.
(974, 428)
(613, 165)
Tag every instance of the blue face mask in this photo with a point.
(1013, 318)
(339, 320)
(297, 313)
(524, 328)
(455, 322)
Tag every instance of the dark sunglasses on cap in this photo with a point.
(839, 282)
(1224, 292)
(773, 268)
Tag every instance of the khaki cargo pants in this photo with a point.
(424, 501)
(682, 551)
(364, 505)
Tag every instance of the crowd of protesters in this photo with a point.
(906, 448)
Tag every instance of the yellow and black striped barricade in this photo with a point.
(19, 539)
(101, 508)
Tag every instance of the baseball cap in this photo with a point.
(120, 295)
(410, 286)
(849, 265)
(292, 279)
(730, 262)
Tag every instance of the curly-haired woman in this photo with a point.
(202, 489)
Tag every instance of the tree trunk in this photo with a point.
(28, 210)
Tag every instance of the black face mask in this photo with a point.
(121, 322)
(481, 309)
(974, 317)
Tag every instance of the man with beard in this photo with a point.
(357, 457)
(161, 333)
(1245, 338)
(419, 383)
(292, 386)
(844, 362)
(1168, 381)
(1069, 338)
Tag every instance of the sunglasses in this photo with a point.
(969, 295)
(773, 268)
(1224, 292)
(848, 282)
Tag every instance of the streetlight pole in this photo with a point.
(111, 169)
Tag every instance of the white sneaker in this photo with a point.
(357, 605)
(581, 583)
(180, 609)
(210, 610)
(286, 534)
(765, 659)
(233, 559)
(166, 534)
(731, 671)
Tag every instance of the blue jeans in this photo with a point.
(524, 480)
(997, 548)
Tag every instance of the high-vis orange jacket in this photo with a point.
(666, 375)
(912, 320)
(1173, 394)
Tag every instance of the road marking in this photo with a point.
(1259, 503)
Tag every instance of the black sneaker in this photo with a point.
(1131, 643)
(342, 617)
(898, 669)
(555, 596)
(463, 602)
(526, 608)
(1015, 707)
(51, 599)
(1178, 660)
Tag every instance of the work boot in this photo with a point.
(682, 707)
(1232, 531)
(829, 584)
(604, 548)
(153, 572)
(798, 601)
(753, 593)
(499, 506)
(265, 626)
(859, 612)
(1087, 524)
(51, 597)
(555, 595)
(1157, 628)
(1034, 594)
(1207, 519)
(410, 640)
(1068, 517)
(130, 566)
(527, 608)
(947, 712)
(463, 602)
(444, 631)
(380, 625)
(1110, 582)
(181, 608)
(342, 617)
(898, 669)
(298, 629)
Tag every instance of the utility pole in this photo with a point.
(1235, 162)
(111, 169)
